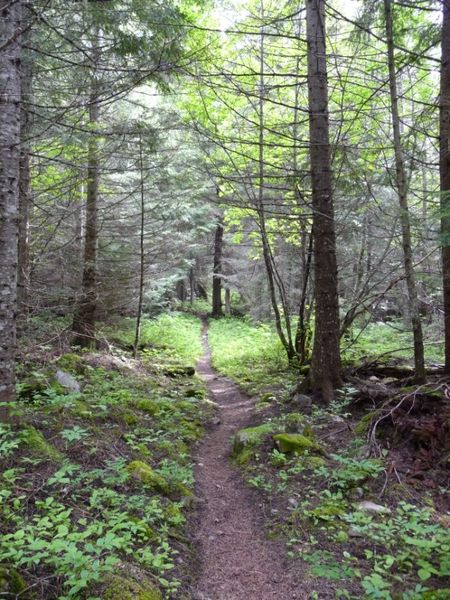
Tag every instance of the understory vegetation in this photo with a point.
(97, 476)
(357, 491)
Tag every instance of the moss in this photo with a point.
(267, 397)
(296, 443)
(81, 409)
(244, 457)
(328, 511)
(362, 427)
(37, 444)
(293, 422)
(314, 462)
(124, 415)
(148, 406)
(71, 362)
(11, 583)
(442, 594)
(121, 588)
(141, 472)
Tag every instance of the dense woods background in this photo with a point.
(284, 149)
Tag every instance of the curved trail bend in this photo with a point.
(236, 561)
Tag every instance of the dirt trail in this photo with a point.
(236, 561)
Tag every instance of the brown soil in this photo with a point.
(237, 562)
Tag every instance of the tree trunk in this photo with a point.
(23, 270)
(227, 302)
(84, 318)
(419, 360)
(444, 165)
(10, 14)
(137, 335)
(181, 290)
(273, 279)
(217, 273)
(325, 373)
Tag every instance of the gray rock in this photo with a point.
(354, 534)
(302, 402)
(67, 381)
(371, 507)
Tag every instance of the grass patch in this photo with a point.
(390, 340)
(173, 336)
(251, 355)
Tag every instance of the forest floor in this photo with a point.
(149, 479)
(237, 561)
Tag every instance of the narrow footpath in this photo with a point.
(237, 562)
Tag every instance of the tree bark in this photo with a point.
(325, 373)
(217, 310)
(137, 335)
(23, 271)
(84, 318)
(10, 15)
(444, 167)
(419, 360)
(227, 302)
(273, 279)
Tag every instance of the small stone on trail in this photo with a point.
(293, 502)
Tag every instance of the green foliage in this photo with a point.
(120, 487)
(252, 355)
(170, 336)
(350, 472)
(391, 340)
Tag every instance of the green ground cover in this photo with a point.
(96, 483)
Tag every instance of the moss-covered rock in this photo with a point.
(142, 473)
(251, 437)
(296, 443)
(36, 443)
(179, 371)
(294, 422)
(12, 584)
(122, 588)
(71, 362)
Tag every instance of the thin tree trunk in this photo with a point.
(227, 302)
(217, 273)
(419, 360)
(444, 165)
(273, 279)
(23, 270)
(325, 374)
(141, 254)
(10, 15)
(84, 318)
(191, 285)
